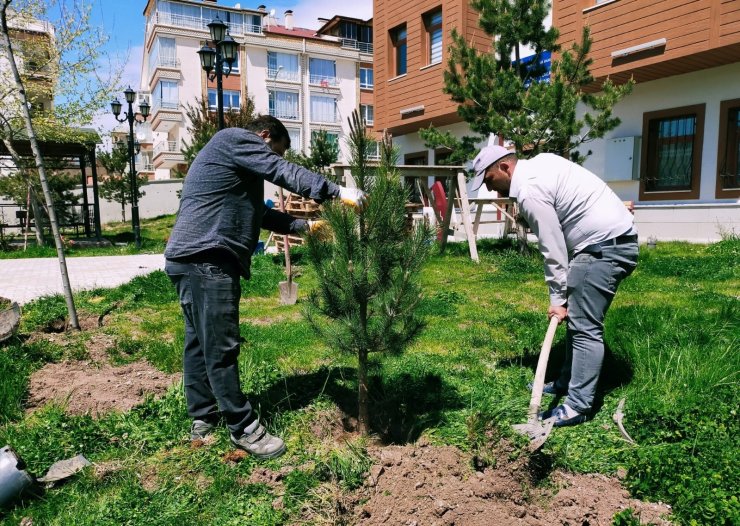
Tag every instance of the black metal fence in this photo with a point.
(75, 220)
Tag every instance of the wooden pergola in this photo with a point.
(81, 148)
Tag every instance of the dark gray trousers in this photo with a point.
(593, 279)
(209, 292)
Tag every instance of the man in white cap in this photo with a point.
(589, 242)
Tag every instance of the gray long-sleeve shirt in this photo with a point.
(568, 208)
(222, 203)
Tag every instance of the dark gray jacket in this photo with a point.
(222, 204)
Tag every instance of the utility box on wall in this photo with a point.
(623, 159)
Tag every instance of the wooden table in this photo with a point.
(455, 190)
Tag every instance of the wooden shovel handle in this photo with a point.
(539, 376)
(286, 243)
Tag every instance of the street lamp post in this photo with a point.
(130, 116)
(226, 49)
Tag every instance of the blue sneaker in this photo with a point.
(560, 417)
(551, 388)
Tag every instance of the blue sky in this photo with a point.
(124, 22)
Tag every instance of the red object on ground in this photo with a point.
(438, 191)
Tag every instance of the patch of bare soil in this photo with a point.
(424, 485)
(95, 388)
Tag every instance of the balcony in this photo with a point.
(165, 114)
(201, 24)
(157, 62)
(362, 47)
(288, 114)
(323, 80)
(282, 74)
(327, 116)
(167, 154)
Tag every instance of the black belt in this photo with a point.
(619, 240)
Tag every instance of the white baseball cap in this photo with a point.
(485, 158)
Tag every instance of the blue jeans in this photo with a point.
(209, 292)
(593, 279)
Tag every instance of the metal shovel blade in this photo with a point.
(288, 292)
(537, 431)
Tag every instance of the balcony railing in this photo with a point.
(362, 47)
(162, 104)
(144, 167)
(325, 116)
(167, 147)
(323, 80)
(192, 22)
(285, 114)
(164, 62)
(281, 74)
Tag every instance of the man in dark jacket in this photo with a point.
(217, 229)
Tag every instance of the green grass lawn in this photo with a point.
(154, 233)
(672, 332)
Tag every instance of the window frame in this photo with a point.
(397, 44)
(271, 95)
(697, 110)
(363, 112)
(318, 79)
(372, 76)
(724, 108)
(320, 95)
(429, 29)
(227, 92)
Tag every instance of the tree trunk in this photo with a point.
(363, 418)
(39, 219)
(31, 194)
(123, 213)
(5, 43)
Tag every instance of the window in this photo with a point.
(166, 95)
(322, 71)
(671, 153)
(331, 137)
(728, 165)
(282, 66)
(231, 100)
(284, 104)
(323, 108)
(366, 34)
(368, 113)
(398, 39)
(373, 150)
(433, 25)
(348, 30)
(295, 139)
(366, 78)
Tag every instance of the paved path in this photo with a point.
(23, 280)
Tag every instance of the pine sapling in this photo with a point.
(368, 287)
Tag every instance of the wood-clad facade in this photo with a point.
(652, 39)
(412, 100)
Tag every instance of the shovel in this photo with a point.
(288, 289)
(535, 429)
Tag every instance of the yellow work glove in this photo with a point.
(353, 197)
(319, 228)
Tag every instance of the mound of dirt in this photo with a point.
(89, 387)
(424, 485)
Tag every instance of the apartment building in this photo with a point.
(309, 79)
(410, 59)
(676, 152)
(32, 41)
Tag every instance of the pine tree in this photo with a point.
(116, 186)
(324, 152)
(368, 271)
(204, 124)
(505, 96)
